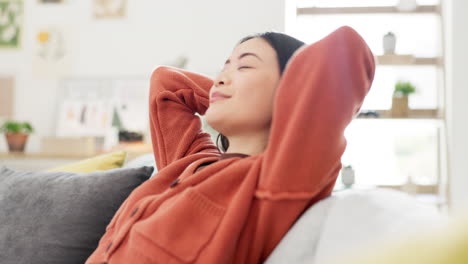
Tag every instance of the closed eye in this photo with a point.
(244, 67)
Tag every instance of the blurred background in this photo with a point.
(78, 73)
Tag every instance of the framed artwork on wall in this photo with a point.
(51, 1)
(92, 106)
(51, 51)
(11, 15)
(110, 8)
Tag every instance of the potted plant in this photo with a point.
(400, 106)
(16, 134)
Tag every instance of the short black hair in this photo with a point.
(283, 44)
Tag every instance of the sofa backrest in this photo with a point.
(347, 222)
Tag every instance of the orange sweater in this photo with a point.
(239, 207)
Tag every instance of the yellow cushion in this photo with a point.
(102, 162)
(446, 245)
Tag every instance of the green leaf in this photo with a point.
(11, 126)
(404, 88)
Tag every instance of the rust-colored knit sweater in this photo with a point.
(237, 209)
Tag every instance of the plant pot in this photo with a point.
(400, 106)
(16, 141)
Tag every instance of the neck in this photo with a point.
(248, 144)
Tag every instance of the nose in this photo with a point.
(222, 79)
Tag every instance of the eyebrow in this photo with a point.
(244, 55)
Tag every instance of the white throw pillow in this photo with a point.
(348, 221)
(300, 243)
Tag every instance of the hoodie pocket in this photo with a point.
(183, 225)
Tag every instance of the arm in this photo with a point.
(175, 96)
(322, 89)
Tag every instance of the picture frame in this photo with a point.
(11, 20)
(93, 106)
(110, 8)
(51, 1)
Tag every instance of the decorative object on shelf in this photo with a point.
(347, 176)
(16, 134)
(368, 114)
(130, 136)
(400, 106)
(95, 106)
(116, 120)
(109, 8)
(389, 43)
(407, 5)
(83, 118)
(10, 23)
(69, 146)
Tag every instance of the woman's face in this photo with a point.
(249, 78)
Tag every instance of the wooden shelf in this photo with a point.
(395, 59)
(133, 150)
(422, 9)
(40, 155)
(416, 188)
(411, 188)
(413, 114)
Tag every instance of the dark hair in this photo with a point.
(284, 46)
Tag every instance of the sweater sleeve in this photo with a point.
(175, 96)
(322, 89)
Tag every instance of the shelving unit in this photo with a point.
(413, 114)
(396, 60)
(406, 60)
(365, 10)
(40, 161)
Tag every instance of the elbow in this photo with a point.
(157, 81)
(359, 48)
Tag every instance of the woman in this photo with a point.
(281, 108)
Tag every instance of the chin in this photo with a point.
(217, 119)
(211, 118)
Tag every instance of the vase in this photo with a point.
(389, 43)
(407, 5)
(347, 176)
(16, 141)
(400, 106)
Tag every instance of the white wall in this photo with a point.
(457, 101)
(153, 32)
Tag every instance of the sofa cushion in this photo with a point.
(59, 217)
(301, 242)
(142, 160)
(102, 162)
(348, 222)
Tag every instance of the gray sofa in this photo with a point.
(59, 217)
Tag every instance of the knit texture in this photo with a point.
(236, 210)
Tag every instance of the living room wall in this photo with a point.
(152, 32)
